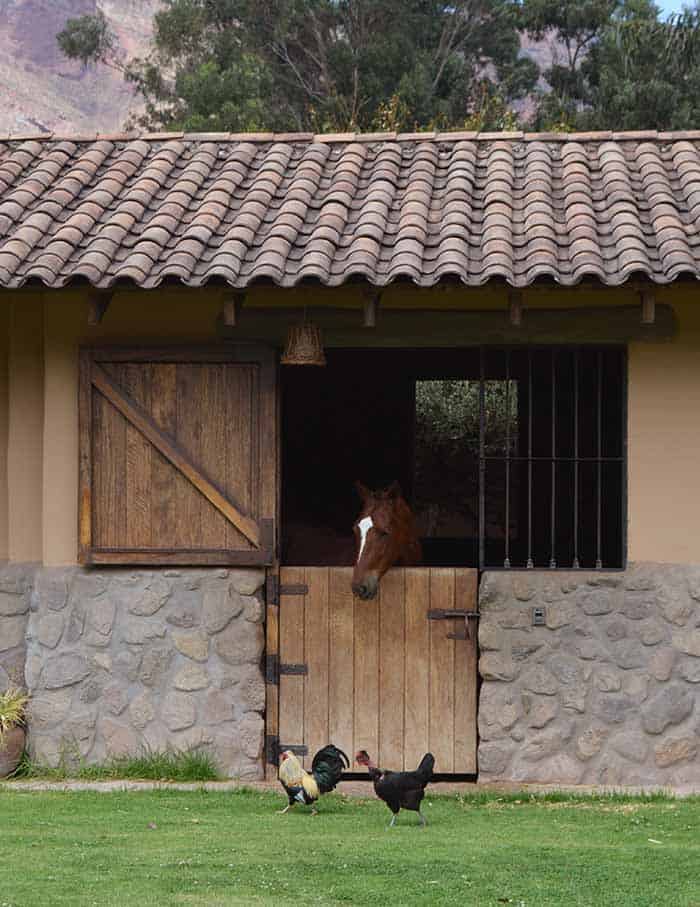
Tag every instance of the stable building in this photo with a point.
(508, 326)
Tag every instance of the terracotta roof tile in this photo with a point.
(288, 207)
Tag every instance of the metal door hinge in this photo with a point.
(274, 589)
(273, 748)
(273, 669)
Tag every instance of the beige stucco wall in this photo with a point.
(664, 441)
(42, 409)
(25, 330)
(133, 317)
(4, 431)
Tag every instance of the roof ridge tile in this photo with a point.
(362, 137)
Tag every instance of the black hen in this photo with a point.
(400, 790)
(304, 787)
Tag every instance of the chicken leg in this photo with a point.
(286, 809)
(393, 821)
(423, 820)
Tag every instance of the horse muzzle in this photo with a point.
(367, 589)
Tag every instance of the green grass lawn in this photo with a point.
(195, 848)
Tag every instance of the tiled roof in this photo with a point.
(421, 207)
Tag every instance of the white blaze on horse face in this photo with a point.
(364, 526)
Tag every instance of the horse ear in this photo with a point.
(394, 490)
(363, 491)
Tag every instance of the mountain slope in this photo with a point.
(41, 90)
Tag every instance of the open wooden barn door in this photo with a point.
(396, 675)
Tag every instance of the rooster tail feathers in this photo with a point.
(327, 767)
(330, 754)
(425, 769)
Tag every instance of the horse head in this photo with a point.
(385, 534)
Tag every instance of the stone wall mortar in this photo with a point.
(606, 692)
(122, 661)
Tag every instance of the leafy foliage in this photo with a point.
(89, 39)
(620, 65)
(13, 704)
(448, 417)
(321, 65)
(645, 74)
(337, 65)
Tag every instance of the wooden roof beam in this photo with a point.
(231, 309)
(372, 299)
(98, 303)
(648, 298)
(515, 303)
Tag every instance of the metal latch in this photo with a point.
(273, 748)
(274, 589)
(273, 669)
(452, 614)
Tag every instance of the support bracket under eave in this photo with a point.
(372, 299)
(98, 304)
(515, 304)
(231, 309)
(648, 298)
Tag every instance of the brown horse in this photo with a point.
(386, 534)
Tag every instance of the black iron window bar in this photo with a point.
(577, 460)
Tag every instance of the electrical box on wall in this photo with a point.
(539, 617)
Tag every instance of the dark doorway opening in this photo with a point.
(510, 457)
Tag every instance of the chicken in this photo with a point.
(304, 787)
(400, 790)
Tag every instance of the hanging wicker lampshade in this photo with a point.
(304, 345)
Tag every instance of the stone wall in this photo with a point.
(15, 592)
(607, 691)
(123, 660)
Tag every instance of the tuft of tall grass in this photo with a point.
(149, 765)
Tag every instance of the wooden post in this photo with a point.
(515, 300)
(98, 305)
(231, 308)
(372, 298)
(648, 306)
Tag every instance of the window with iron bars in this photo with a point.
(531, 444)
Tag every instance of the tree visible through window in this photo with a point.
(447, 439)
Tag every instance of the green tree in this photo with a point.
(576, 26)
(620, 66)
(321, 64)
(645, 73)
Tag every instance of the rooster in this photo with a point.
(400, 790)
(302, 787)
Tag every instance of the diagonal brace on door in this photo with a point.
(166, 446)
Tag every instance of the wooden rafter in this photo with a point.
(515, 302)
(231, 309)
(371, 308)
(648, 306)
(98, 304)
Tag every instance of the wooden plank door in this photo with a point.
(378, 675)
(178, 458)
